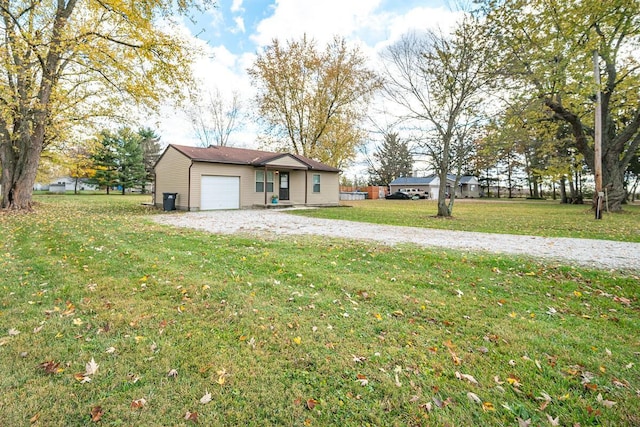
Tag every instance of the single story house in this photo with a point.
(429, 186)
(220, 177)
(66, 183)
(426, 186)
(469, 186)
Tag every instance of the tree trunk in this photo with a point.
(563, 190)
(19, 168)
(534, 186)
(613, 183)
(443, 209)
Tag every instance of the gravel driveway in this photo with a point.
(601, 254)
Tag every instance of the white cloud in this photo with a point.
(418, 19)
(318, 19)
(239, 24)
(356, 20)
(236, 6)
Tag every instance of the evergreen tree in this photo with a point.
(151, 149)
(393, 159)
(119, 160)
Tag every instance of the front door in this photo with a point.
(284, 186)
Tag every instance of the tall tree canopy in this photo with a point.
(312, 100)
(66, 61)
(215, 118)
(547, 49)
(392, 160)
(438, 79)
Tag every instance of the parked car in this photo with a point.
(398, 195)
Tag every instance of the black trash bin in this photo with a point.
(169, 201)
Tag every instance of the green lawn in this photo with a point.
(531, 217)
(304, 331)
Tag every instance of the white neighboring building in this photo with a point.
(69, 184)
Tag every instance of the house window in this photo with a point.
(473, 187)
(260, 181)
(316, 183)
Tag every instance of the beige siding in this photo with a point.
(329, 189)
(296, 187)
(285, 162)
(172, 176)
(247, 182)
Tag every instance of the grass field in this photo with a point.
(530, 217)
(189, 327)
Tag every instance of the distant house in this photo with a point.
(426, 186)
(220, 177)
(429, 186)
(64, 184)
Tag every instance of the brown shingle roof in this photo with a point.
(244, 156)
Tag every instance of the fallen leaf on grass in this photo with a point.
(50, 367)
(138, 403)
(133, 378)
(456, 360)
(441, 403)
(488, 406)
(620, 383)
(427, 406)
(91, 368)
(13, 332)
(604, 402)
(35, 418)
(466, 377)
(473, 397)
(311, 403)
(362, 379)
(206, 398)
(553, 421)
(524, 423)
(191, 416)
(96, 413)
(172, 373)
(82, 377)
(622, 300)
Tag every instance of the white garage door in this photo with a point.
(220, 192)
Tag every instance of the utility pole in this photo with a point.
(597, 161)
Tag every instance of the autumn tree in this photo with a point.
(66, 62)
(80, 164)
(214, 118)
(546, 48)
(437, 79)
(312, 101)
(391, 160)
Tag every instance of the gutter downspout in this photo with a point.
(155, 181)
(265, 185)
(189, 188)
(306, 187)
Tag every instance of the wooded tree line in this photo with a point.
(511, 89)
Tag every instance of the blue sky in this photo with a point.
(235, 23)
(232, 34)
